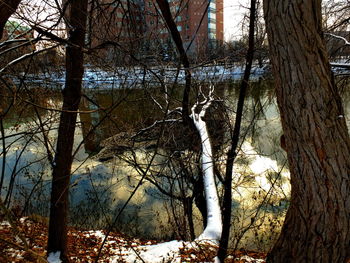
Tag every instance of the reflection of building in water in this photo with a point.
(88, 126)
(136, 26)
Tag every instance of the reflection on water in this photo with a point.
(99, 190)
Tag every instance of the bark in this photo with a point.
(187, 204)
(232, 153)
(317, 225)
(57, 240)
(199, 198)
(7, 8)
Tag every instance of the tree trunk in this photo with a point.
(317, 224)
(57, 240)
(213, 228)
(232, 152)
(199, 198)
(187, 204)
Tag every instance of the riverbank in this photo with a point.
(139, 77)
(84, 246)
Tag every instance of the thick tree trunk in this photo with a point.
(317, 224)
(57, 240)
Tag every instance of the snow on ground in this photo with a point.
(162, 252)
(123, 77)
(83, 246)
(54, 257)
(134, 77)
(250, 259)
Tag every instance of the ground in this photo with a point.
(85, 244)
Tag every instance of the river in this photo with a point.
(101, 186)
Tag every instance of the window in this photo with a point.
(212, 26)
(212, 35)
(211, 15)
(211, 21)
(211, 10)
(179, 28)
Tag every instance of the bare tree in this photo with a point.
(76, 19)
(232, 152)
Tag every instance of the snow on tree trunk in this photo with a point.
(214, 223)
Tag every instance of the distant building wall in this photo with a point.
(115, 27)
(138, 25)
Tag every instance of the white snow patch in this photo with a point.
(250, 259)
(162, 252)
(5, 223)
(23, 219)
(97, 233)
(15, 253)
(54, 257)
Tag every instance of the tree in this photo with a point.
(57, 240)
(232, 152)
(317, 226)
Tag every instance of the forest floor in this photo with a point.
(84, 246)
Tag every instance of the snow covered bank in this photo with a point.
(136, 77)
(84, 247)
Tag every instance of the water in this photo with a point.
(100, 189)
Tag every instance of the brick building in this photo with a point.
(137, 26)
(200, 23)
(115, 26)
